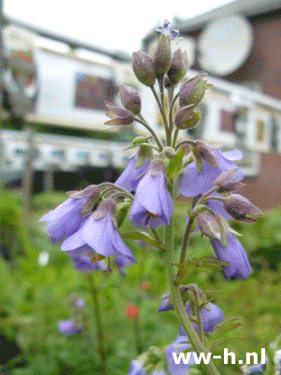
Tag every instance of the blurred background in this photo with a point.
(59, 64)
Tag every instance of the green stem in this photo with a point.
(99, 326)
(199, 317)
(171, 95)
(185, 240)
(137, 336)
(163, 114)
(165, 120)
(175, 137)
(142, 121)
(117, 188)
(197, 345)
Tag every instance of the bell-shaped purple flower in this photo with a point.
(192, 184)
(87, 264)
(98, 235)
(153, 204)
(69, 327)
(212, 315)
(66, 219)
(132, 174)
(235, 254)
(180, 345)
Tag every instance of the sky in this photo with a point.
(112, 25)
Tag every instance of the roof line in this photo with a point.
(72, 43)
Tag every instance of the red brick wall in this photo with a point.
(264, 62)
(265, 189)
(263, 65)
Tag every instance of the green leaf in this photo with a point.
(175, 164)
(203, 264)
(142, 236)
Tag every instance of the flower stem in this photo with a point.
(113, 187)
(99, 326)
(199, 317)
(142, 121)
(197, 345)
(175, 137)
(163, 114)
(165, 120)
(137, 336)
(184, 244)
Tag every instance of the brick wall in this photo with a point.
(265, 189)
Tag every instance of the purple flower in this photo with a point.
(212, 315)
(79, 303)
(122, 262)
(256, 370)
(166, 29)
(235, 254)
(166, 304)
(218, 207)
(98, 235)
(132, 174)
(192, 184)
(87, 264)
(66, 219)
(69, 327)
(178, 346)
(136, 368)
(153, 204)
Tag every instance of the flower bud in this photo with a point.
(143, 68)
(228, 181)
(178, 67)
(169, 152)
(193, 90)
(118, 115)
(130, 99)
(183, 116)
(241, 209)
(162, 55)
(209, 225)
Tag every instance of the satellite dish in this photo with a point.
(225, 44)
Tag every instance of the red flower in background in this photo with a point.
(132, 312)
(145, 285)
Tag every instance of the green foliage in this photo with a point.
(34, 298)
